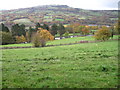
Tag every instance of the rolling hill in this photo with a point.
(58, 14)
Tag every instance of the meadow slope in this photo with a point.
(88, 65)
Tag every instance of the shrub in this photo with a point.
(85, 31)
(102, 34)
(6, 38)
(66, 34)
(36, 40)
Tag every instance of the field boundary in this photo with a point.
(79, 42)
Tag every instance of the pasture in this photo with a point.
(23, 21)
(59, 20)
(86, 65)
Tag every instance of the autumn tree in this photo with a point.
(85, 31)
(20, 39)
(93, 27)
(41, 37)
(102, 34)
(68, 29)
(82, 29)
(74, 27)
(77, 28)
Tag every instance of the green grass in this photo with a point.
(94, 30)
(59, 20)
(70, 40)
(16, 45)
(47, 17)
(82, 18)
(90, 65)
(70, 34)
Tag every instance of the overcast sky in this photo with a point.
(84, 4)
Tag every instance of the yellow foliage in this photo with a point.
(85, 31)
(20, 39)
(41, 37)
(74, 27)
(65, 25)
(45, 34)
(102, 34)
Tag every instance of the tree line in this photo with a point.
(19, 34)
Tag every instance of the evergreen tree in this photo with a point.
(45, 26)
(4, 28)
(54, 29)
(30, 32)
(37, 26)
(18, 30)
(22, 30)
(61, 30)
(15, 29)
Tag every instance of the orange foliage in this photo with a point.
(41, 37)
(85, 31)
(20, 39)
(45, 34)
(74, 27)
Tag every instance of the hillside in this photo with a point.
(58, 13)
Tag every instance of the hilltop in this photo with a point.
(58, 14)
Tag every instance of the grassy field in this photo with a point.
(23, 21)
(70, 34)
(88, 65)
(59, 20)
(56, 42)
(70, 40)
